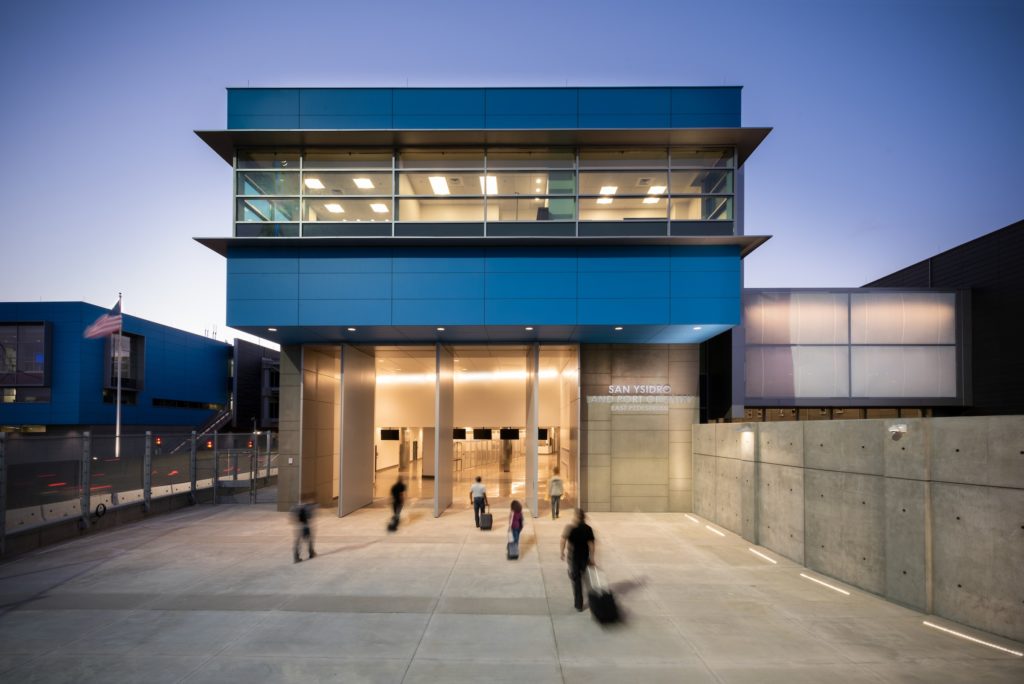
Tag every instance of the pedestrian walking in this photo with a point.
(303, 530)
(555, 490)
(397, 501)
(478, 497)
(580, 540)
(515, 528)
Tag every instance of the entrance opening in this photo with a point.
(490, 419)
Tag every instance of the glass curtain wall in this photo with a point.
(322, 192)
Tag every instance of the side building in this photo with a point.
(53, 380)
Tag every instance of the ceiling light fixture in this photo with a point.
(439, 184)
(379, 208)
(272, 329)
(651, 200)
(314, 184)
(489, 185)
(351, 329)
(529, 327)
(656, 190)
(698, 327)
(334, 208)
(608, 190)
(604, 200)
(363, 183)
(618, 327)
(440, 330)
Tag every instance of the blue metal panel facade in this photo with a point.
(380, 289)
(178, 366)
(482, 108)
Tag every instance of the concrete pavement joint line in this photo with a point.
(825, 584)
(970, 638)
(433, 609)
(547, 598)
(758, 553)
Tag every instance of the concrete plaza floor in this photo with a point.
(210, 594)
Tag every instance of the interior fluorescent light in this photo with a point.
(651, 200)
(439, 184)
(314, 184)
(608, 190)
(970, 638)
(529, 327)
(440, 330)
(351, 329)
(490, 187)
(379, 208)
(363, 183)
(604, 200)
(618, 327)
(656, 190)
(272, 329)
(767, 558)
(825, 584)
(334, 208)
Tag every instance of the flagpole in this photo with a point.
(117, 357)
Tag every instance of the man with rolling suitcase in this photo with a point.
(478, 497)
(580, 539)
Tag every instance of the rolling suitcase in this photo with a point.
(602, 601)
(486, 519)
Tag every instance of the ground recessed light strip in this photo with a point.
(694, 519)
(825, 584)
(970, 638)
(767, 558)
(718, 532)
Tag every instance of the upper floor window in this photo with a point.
(24, 355)
(324, 191)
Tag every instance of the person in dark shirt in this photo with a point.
(580, 539)
(397, 501)
(303, 531)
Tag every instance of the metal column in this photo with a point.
(147, 472)
(192, 464)
(85, 504)
(3, 493)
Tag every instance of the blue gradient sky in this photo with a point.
(898, 124)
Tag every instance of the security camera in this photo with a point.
(897, 431)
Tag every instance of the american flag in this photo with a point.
(106, 324)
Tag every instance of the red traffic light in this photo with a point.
(250, 444)
(158, 441)
(209, 444)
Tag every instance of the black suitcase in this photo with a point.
(486, 521)
(513, 551)
(602, 600)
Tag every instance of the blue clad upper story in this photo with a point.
(483, 108)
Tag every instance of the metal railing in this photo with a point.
(46, 480)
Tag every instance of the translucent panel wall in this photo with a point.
(855, 345)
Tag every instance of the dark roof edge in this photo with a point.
(746, 243)
(745, 139)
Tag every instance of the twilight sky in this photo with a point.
(898, 123)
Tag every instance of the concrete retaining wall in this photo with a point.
(933, 520)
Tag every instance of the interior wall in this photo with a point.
(320, 423)
(493, 403)
(568, 427)
(358, 385)
(404, 404)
